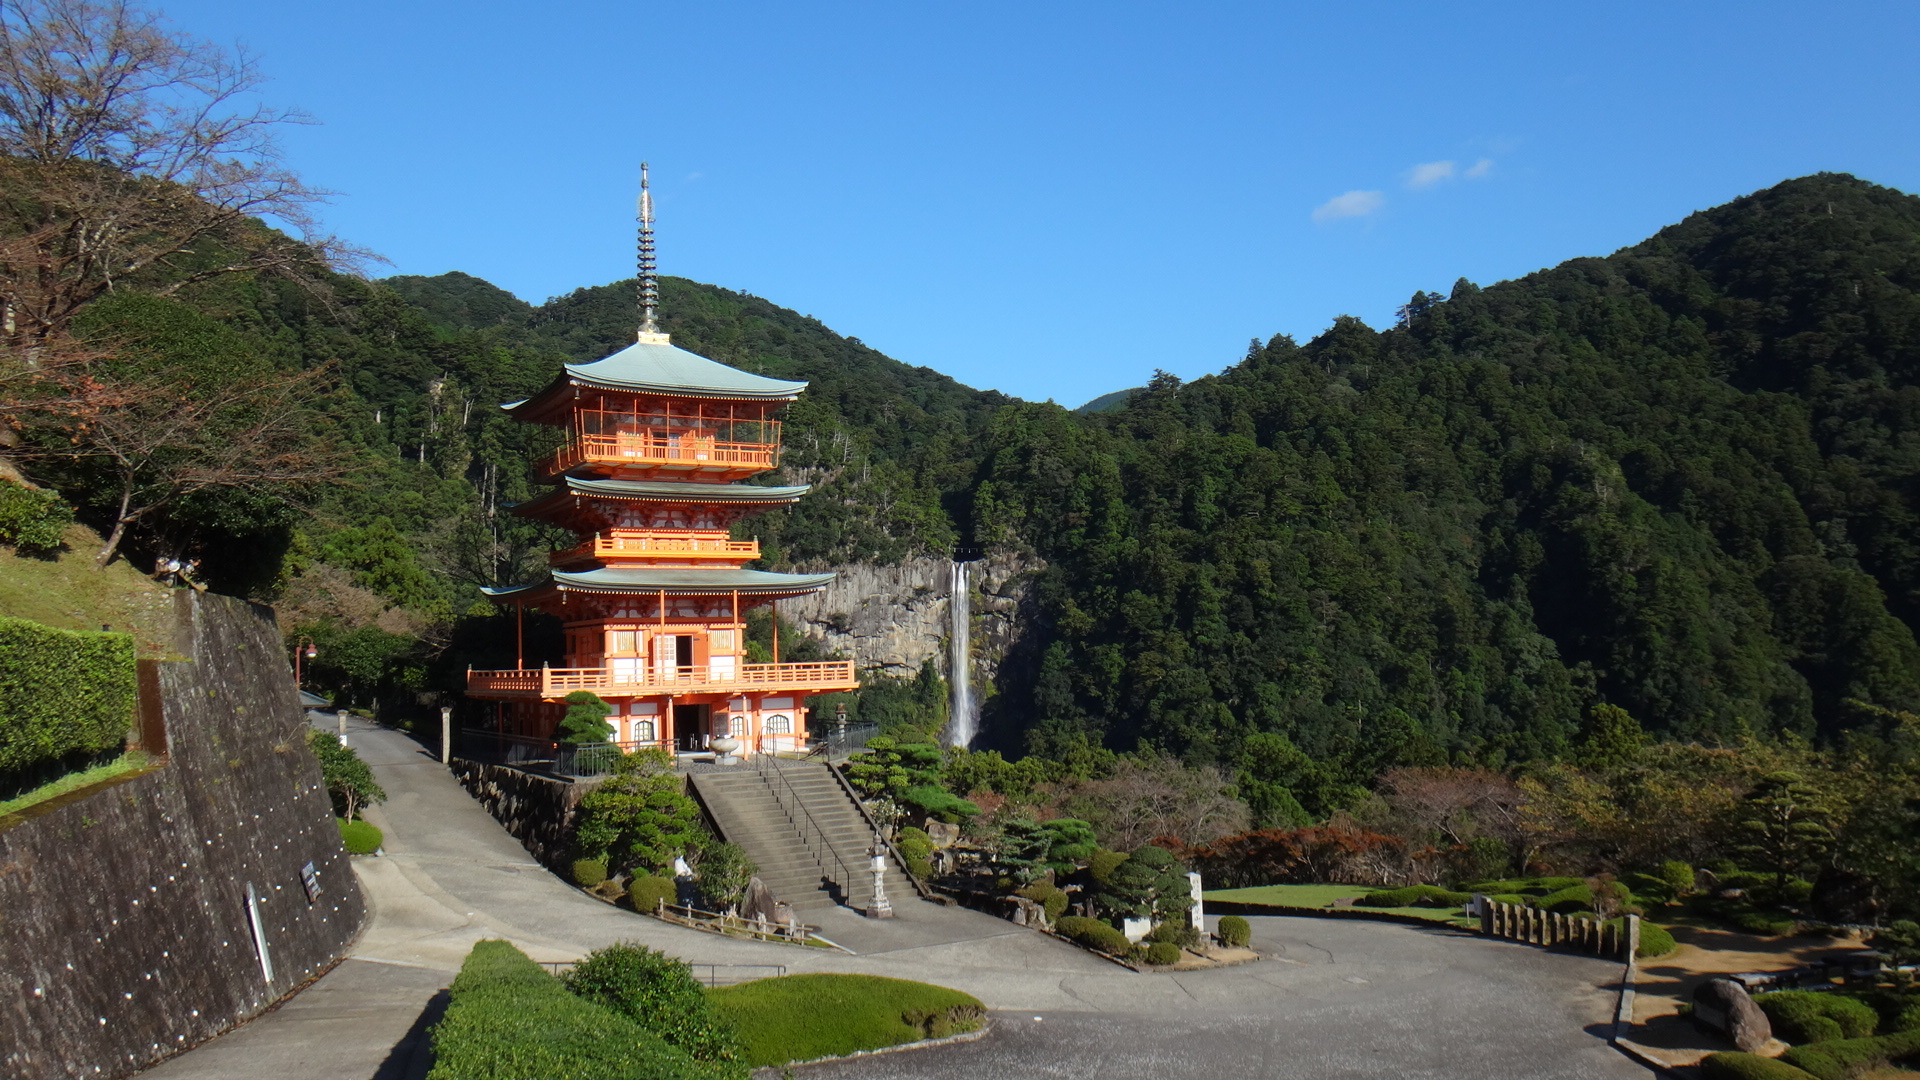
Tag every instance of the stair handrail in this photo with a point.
(899, 860)
(762, 763)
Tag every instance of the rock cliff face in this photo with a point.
(894, 618)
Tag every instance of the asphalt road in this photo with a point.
(1329, 998)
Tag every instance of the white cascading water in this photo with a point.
(962, 716)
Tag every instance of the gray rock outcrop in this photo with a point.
(1723, 1005)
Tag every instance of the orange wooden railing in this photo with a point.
(702, 545)
(559, 682)
(646, 448)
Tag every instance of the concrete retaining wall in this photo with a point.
(125, 933)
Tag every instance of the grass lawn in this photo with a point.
(68, 593)
(131, 761)
(1321, 897)
(802, 1017)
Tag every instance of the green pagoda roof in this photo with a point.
(674, 581)
(663, 491)
(666, 368)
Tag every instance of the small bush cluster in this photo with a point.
(1766, 924)
(589, 872)
(1414, 896)
(1093, 934)
(659, 993)
(1801, 1016)
(1162, 953)
(916, 847)
(649, 891)
(1102, 863)
(360, 837)
(1843, 1059)
(31, 519)
(1053, 900)
(510, 1020)
(1235, 932)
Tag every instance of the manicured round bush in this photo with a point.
(360, 837)
(1102, 863)
(1801, 1016)
(1654, 940)
(648, 892)
(1162, 953)
(1677, 876)
(917, 849)
(1175, 932)
(1235, 931)
(658, 992)
(1094, 934)
(589, 872)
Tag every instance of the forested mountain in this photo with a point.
(1681, 479)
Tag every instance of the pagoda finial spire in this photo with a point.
(649, 283)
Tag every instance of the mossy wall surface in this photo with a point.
(124, 933)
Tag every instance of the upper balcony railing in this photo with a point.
(644, 448)
(652, 543)
(642, 678)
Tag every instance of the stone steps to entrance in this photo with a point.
(746, 811)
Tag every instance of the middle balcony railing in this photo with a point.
(641, 543)
(641, 677)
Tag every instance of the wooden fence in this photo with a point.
(1516, 922)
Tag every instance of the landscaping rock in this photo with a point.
(759, 902)
(942, 834)
(1723, 1005)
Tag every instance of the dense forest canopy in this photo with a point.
(1681, 479)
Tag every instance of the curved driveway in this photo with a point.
(1329, 998)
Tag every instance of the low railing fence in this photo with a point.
(722, 922)
(522, 751)
(1517, 922)
(705, 974)
(839, 743)
(557, 682)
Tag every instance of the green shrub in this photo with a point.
(1414, 896)
(657, 992)
(359, 836)
(1175, 932)
(1802, 1016)
(1842, 1059)
(1655, 940)
(1677, 876)
(64, 695)
(649, 891)
(1564, 900)
(1162, 953)
(1733, 1066)
(802, 1017)
(589, 872)
(1094, 934)
(32, 519)
(1907, 1019)
(1766, 924)
(510, 1020)
(1053, 900)
(1235, 931)
(1102, 863)
(916, 848)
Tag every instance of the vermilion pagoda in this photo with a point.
(654, 598)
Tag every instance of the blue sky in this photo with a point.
(1056, 199)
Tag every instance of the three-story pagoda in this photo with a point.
(654, 597)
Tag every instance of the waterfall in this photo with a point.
(963, 717)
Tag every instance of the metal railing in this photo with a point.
(812, 836)
(839, 743)
(548, 755)
(551, 682)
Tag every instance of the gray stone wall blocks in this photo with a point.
(125, 934)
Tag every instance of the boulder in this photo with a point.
(758, 902)
(1723, 1006)
(942, 834)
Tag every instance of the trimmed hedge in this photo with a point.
(360, 837)
(1414, 896)
(1843, 1059)
(589, 872)
(1802, 1016)
(1235, 931)
(63, 694)
(648, 891)
(1736, 1066)
(1102, 863)
(510, 1020)
(660, 994)
(1094, 934)
(916, 848)
(1162, 953)
(803, 1017)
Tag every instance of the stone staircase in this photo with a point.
(802, 830)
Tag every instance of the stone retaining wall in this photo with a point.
(536, 810)
(125, 925)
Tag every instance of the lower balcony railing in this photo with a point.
(705, 678)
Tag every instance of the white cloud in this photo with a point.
(1352, 204)
(1480, 169)
(1430, 174)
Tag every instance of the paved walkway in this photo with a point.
(1333, 999)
